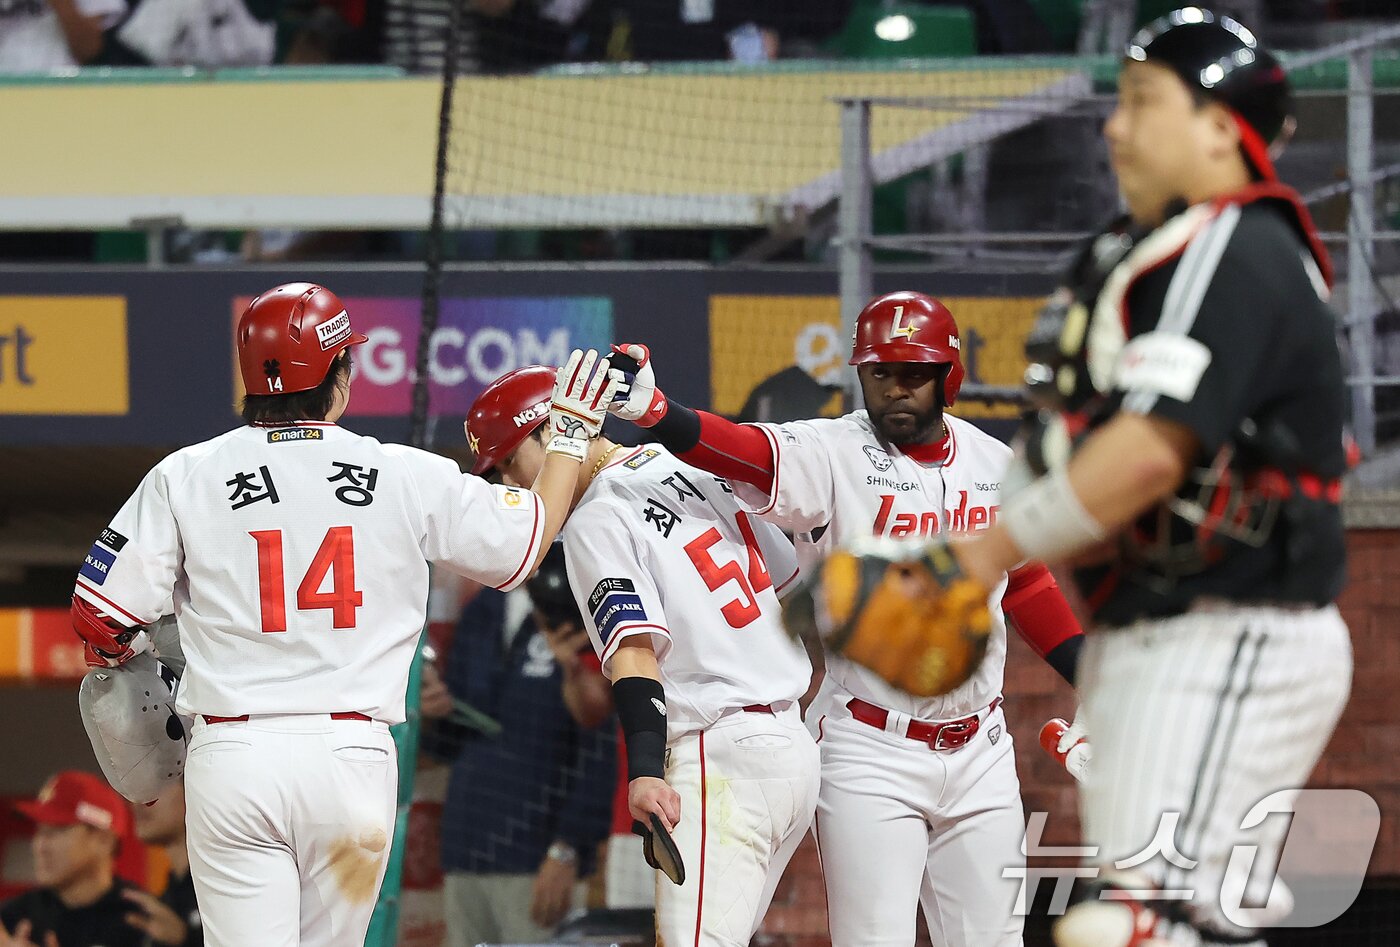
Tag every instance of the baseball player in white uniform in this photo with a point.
(296, 556)
(920, 803)
(680, 586)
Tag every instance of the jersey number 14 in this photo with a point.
(336, 556)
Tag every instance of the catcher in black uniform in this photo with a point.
(1184, 456)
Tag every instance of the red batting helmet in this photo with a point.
(507, 412)
(909, 327)
(289, 336)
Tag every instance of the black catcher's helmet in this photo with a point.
(1220, 58)
(549, 589)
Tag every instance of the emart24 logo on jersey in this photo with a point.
(477, 341)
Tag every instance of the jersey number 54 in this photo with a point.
(745, 609)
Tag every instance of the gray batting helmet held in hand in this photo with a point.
(129, 715)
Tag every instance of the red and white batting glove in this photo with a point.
(1069, 744)
(639, 400)
(106, 642)
(583, 389)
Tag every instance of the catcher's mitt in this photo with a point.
(902, 608)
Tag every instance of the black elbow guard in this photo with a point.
(679, 428)
(641, 709)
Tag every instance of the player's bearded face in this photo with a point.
(903, 400)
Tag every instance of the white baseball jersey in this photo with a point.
(297, 558)
(836, 482)
(31, 35)
(657, 547)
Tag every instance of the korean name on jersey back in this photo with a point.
(612, 602)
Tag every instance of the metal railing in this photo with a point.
(1019, 251)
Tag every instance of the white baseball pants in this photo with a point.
(289, 822)
(900, 825)
(1196, 718)
(748, 787)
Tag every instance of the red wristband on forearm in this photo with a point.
(1038, 609)
(733, 451)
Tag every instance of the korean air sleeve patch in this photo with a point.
(97, 564)
(613, 603)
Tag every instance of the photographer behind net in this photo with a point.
(531, 749)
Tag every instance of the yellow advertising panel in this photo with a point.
(782, 356)
(63, 355)
(15, 661)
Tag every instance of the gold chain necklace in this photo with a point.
(603, 460)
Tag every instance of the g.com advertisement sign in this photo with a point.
(63, 355)
(477, 340)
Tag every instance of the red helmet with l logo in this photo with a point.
(909, 327)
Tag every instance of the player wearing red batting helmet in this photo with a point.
(507, 412)
(919, 803)
(289, 336)
(907, 352)
(300, 552)
(645, 537)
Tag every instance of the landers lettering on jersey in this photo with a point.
(97, 564)
(287, 435)
(614, 602)
(112, 539)
(965, 517)
(531, 414)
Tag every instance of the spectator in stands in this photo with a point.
(43, 35)
(521, 35)
(79, 823)
(528, 796)
(750, 31)
(320, 38)
(210, 34)
(172, 920)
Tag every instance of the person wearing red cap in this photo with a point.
(173, 919)
(294, 555)
(79, 822)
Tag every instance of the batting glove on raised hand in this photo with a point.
(106, 642)
(638, 399)
(582, 390)
(1069, 744)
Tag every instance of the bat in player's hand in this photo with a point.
(1068, 744)
(660, 849)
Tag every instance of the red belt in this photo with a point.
(939, 736)
(758, 709)
(347, 715)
